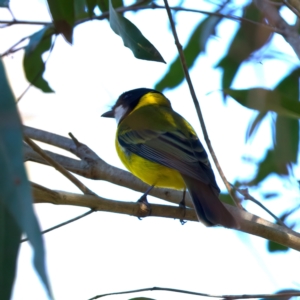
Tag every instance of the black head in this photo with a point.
(129, 100)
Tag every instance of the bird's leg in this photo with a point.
(145, 206)
(182, 205)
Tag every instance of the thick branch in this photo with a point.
(249, 223)
(92, 166)
(99, 169)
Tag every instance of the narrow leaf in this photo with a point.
(249, 38)
(286, 140)
(195, 46)
(287, 129)
(267, 166)
(265, 100)
(275, 247)
(254, 124)
(15, 192)
(91, 4)
(81, 10)
(132, 37)
(63, 15)
(104, 4)
(34, 66)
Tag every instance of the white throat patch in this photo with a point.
(120, 112)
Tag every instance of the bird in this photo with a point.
(157, 145)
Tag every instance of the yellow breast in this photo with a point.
(150, 172)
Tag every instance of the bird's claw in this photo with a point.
(145, 207)
(183, 207)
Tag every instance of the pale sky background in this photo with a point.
(107, 252)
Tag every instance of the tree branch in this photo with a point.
(249, 222)
(228, 297)
(57, 166)
(98, 169)
(290, 33)
(92, 166)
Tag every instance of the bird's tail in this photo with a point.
(210, 210)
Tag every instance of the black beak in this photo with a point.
(108, 114)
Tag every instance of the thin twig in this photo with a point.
(92, 166)
(201, 294)
(247, 196)
(58, 167)
(196, 103)
(62, 224)
(10, 11)
(274, 18)
(13, 46)
(249, 223)
(135, 7)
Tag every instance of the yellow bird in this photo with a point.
(161, 148)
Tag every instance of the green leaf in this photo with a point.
(286, 140)
(104, 4)
(15, 192)
(284, 101)
(4, 3)
(63, 15)
(81, 10)
(249, 38)
(195, 46)
(275, 247)
(287, 129)
(265, 100)
(132, 37)
(254, 124)
(270, 164)
(91, 4)
(33, 63)
(10, 235)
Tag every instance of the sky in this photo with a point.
(107, 252)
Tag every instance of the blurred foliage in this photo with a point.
(34, 66)
(16, 209)
(284, 101)
(195, 46)
(252, 35)
(104, 4)
(249, 38)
